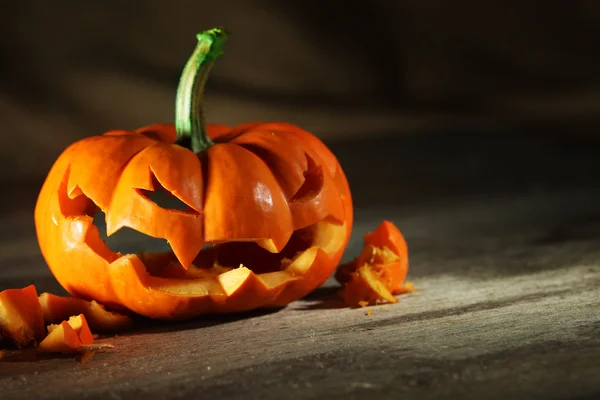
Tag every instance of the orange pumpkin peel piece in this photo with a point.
(21, 319)
(380, 270)
(68, 337)
(59, 308)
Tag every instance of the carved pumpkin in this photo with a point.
(269, 211)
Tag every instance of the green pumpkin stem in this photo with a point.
(189, 118)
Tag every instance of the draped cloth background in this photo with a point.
(343, 70)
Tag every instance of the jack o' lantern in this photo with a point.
(268, 211)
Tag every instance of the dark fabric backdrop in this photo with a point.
(341, 69)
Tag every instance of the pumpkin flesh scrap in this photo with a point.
(387, 264)
(380, 270)
(366, 287)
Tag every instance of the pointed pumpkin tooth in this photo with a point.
(130, 268)
(313, 267)
(186, 250)
(74, 192)
(60, 335)
(232, 280)
(112, 225)
(270, 246)
(303, 262)
(62, 339)
(245, 290)
(277, 279)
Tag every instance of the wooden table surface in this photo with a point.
(504, 238)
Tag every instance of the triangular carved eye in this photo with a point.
(163, 198)
(130, 241)
(313, 182)
(127, 240)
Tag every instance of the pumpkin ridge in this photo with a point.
(115, 179)
(120, 174)
(284, 157)
(264, 155)
(244, 181)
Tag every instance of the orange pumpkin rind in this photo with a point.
(59, 308)
(380, 270)
(67, 337)
(21, 318)
(22, 322)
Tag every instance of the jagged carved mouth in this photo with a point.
(216, 269)
(213, 259)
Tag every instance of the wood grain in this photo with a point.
(508, 306)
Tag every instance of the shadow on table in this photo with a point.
(323, 298)
(141, 326)
(31, 354)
